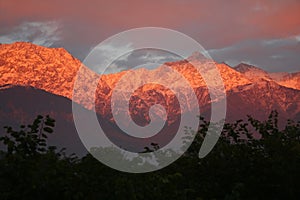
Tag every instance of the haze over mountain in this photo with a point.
(38, 80)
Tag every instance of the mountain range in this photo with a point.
(38, 80)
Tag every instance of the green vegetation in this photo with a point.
(239, 167)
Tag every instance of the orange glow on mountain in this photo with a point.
(54, 70)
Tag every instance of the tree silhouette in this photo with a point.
(252, 160)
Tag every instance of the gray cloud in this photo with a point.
(40, 33)
(146, 58)
(281, 54)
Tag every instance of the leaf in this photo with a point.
(36, 122)
(48, 130)
(42, 149)
(50, 123)
(50, 119)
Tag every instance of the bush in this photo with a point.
(240, 166)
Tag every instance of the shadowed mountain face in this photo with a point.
(20, 105)
(37, 80)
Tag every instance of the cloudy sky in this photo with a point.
(264, 33)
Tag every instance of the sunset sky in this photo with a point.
(263, 33)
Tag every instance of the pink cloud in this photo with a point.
(214, 23)
(213, 20)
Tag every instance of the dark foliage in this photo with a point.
(240, 166)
